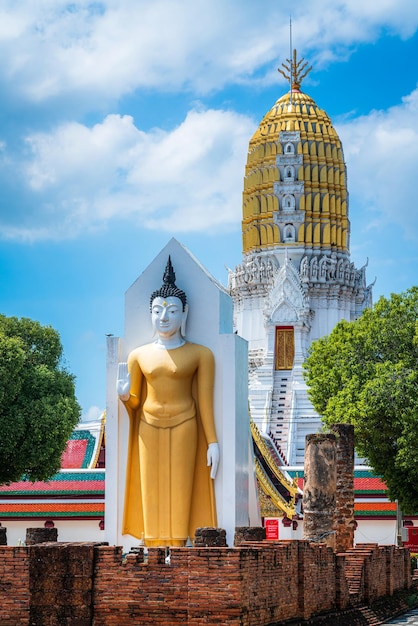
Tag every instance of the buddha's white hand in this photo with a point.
(212, 457)
(123, 383)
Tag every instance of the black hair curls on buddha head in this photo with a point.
(168, 288)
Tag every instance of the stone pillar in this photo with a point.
(3, 536)
(210, 537)
(249, 533)
(40, 535)
(319, 488)
(344, 503)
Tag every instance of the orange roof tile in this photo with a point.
(56, 509)
(374, 509)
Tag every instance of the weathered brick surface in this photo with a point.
(249, 533)
(319, 491)
(40, 535)
(3, 536)
(342, 593)
(210, 537)
(277, 565)
(61, 584)
(316, 564)
(133, 590)
(374, 571)
(255, 584)
(343, 522)
(14, 586)
(214, 586)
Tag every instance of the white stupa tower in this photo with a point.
(296, 280)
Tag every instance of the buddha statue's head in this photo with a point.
(168, 306)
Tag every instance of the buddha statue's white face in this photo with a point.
(167, 317)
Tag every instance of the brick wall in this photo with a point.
(61, 584)
(374, 571)
(14, 586)
(255, 584)
(131, 591)
(342, 593)
(317, 579)
(269, 579)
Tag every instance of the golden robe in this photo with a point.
(169, 492)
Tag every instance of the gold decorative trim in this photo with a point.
(291, 486)
(102, 434)
(269, 489)
(264, 482)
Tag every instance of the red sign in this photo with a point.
(412, 542)
(272, 529)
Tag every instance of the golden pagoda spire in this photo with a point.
(295, 71)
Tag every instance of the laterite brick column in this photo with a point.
(344, 501)
(40, 535)
(210, 537)
(319, 488)
(249, 533)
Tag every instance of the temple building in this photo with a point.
(295, 282)
(72, 501)
(296, 279)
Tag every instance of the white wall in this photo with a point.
(68, 530)
(382, 532)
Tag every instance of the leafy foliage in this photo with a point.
(366, 373)
(38, 408)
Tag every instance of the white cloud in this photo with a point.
(79, 176)
(188, 179)
(93, 414)
(381, 151)
(108, 48)
(82, 156)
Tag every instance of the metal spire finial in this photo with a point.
(295, 71)
(290, 54)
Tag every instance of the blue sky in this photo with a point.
(126, 122)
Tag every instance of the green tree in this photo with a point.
(38, 408)
(366, 373)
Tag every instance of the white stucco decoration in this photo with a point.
(286, 300)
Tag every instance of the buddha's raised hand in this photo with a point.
(123, 383)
